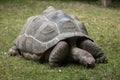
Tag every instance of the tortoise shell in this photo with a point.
(43, 31)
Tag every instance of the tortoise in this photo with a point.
(57, 38)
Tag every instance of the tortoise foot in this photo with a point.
(83, 57)
(92, 65)
(55, 65)
(13, 51)
(101, 59)
(59, 54)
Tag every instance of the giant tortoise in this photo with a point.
(57, 38)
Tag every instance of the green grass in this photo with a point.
(103, 25)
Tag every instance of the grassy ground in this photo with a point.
(103, 26)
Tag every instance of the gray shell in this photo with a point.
(43, 31)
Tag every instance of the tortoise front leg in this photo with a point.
(13, 51)
(94, 49)
(58, 56)
(83, 57)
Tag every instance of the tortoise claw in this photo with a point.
(101, 59)
(55, 65)
(90, 65)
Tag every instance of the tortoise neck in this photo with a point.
(72, 42)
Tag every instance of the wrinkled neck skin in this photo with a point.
(72, 43)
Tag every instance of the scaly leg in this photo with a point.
(13, 51)
(94, 49)
(83, 57)
(59, 54)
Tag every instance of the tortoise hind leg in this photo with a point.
(58, 56)
(95, 50)
(30, 56)
(13, 51)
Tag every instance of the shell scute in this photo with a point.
(38, 47)
(21, 41)
(34, 25)
(46, 32)
(29, 43)
(66, 25)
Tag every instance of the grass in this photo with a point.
(103, 25)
